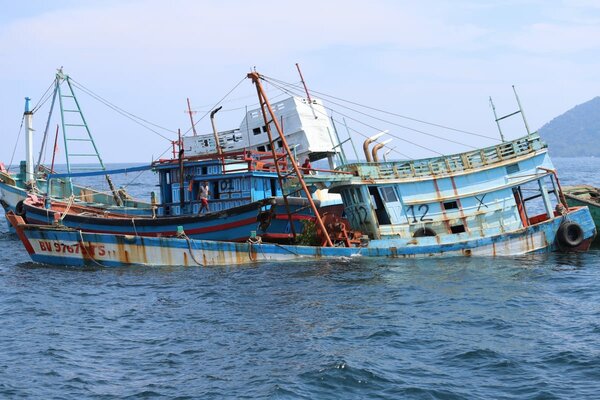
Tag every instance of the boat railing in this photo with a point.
(451, 163)
(236, 161)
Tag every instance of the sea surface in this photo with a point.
(453, 328)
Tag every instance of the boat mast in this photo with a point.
(42, 148)
(496, 119)
(310, 103)
(28, 116)
(191, 118)
(266, 108)
(521, 111)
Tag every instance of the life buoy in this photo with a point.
(569, 235)
(421, 232)
(20, 209)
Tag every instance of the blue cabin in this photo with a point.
(236, 179)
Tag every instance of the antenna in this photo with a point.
(189, 111)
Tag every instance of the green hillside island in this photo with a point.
(576, 133)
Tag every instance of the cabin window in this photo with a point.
(204, 170)
(168, 178)
(389, 194)
(273, 187)
(279, 144)
(256, 131)
(450, 205)
(268, 147)
(264, 128)
(260, 148)
(511, 169)
(457, 229)
(205, 144)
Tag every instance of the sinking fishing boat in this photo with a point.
(502, 200)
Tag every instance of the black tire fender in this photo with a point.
(20, 209)
(422, 232)
(569, 235)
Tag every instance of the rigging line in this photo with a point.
(362, 134)
(38, 105)
(237, 108)
(394, 114)
(398, 125)
(16, 143)
(115, 107)
(141, 172)
(213, 107)
(378, 129)
(124, 113)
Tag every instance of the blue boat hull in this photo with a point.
(267, 218)
(63, 246)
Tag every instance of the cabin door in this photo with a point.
(383, 217)
(392, 203)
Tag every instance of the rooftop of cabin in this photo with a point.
(448, 164)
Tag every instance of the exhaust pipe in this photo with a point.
(378, 147)
(369, 141)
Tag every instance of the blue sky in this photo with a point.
(436, 61)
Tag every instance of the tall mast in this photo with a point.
(521, 110)
(496, 119)
(310, 103)
(28, 115)
(191, 118)
(266, 108)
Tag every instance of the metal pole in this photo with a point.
(46, 130)
(191, 118)
(265, 102)
(496, 119)
(351, 141)
(521, 109)
(342, 155)
(306, 90)
(181, 174)
(216, 135)
(29, 175)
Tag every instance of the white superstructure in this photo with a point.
(306, 127)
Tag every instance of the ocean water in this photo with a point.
(468, 328)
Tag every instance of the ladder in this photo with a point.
(270, 118)
(78, 139)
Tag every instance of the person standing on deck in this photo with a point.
(203, 194)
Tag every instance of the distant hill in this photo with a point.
(576, 133)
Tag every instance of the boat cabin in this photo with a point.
(476, 194)
(235, 179)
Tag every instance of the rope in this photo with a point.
(190, 250)
(134, 229)
(69, 204)
(297, 85)
(17, 142)
(90, 256)
(124, 113)
(41, 102)
(213, 107)
(374, 128)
